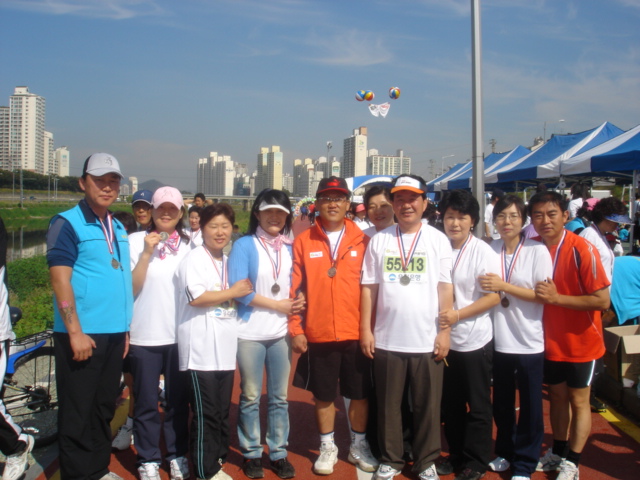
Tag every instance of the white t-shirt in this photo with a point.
(574, 206)
(370, 232)
(518, 327)
(207, 336)
(266, 324)
(407, 315)
(476, 259)
(196, 237)
(154, 319)
(488, 219)
(592, 234)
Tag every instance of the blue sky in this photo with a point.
(160, 83)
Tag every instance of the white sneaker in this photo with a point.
(111, 476)
(360, 455)
(548, 462)
(568, 471)
(499, 464)
(327, 459)
(385, 472)
(17, 464)
(179, 468)
(221, 475)
(149, 471)
(123, 438)
(520, 477)
(429, 474)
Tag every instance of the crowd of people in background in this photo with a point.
(176, 299)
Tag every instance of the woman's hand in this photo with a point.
(448, 318)
(150, 242)
(299, 304)
(241, 288)
(284, 306)
(492, 283)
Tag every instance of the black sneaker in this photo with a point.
(468, 474)
(448, 465)
(283, 468)
(252, 468)
(597, 405)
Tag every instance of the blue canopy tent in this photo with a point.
(453, 172)
(492, 162)
(371, 180)
(558, 148)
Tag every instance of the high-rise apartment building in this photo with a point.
(26, 130)
(134, 184)
(24, 143)
(388, 164)
(5, 158)
(261, 170)
(216, 175)
(269, 171)
(354, 160)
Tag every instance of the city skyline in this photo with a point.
(160, 84)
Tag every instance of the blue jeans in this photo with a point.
(253, 358)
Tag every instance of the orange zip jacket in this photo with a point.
(333, 304)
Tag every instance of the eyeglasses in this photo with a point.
(336, 200)
(512, 217)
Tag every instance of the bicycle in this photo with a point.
(29, 387)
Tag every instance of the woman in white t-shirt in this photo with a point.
(208, 338)
(155, 257)
(466, 395)
(194, 231)
(264, 256)
(518, 340)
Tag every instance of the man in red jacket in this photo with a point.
(327, 260)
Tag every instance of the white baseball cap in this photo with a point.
(100, 164)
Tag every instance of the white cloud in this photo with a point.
(351, 48)
(112, 9)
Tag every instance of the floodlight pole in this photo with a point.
(477, 155)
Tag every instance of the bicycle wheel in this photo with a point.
(31, 396)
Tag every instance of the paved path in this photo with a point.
(613, 451)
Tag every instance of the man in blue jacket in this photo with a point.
(88, 257)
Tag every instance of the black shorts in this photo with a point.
(324, 366)
(576, 375)
(126, 365)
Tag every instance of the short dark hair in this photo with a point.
(211, 211)
(200, 195)
(463, 202)
(195, 209)
(548, 197)
(506, 202)
(607, 206)
(272, 197)
(373, 191)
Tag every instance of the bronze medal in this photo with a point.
(115, 263)
(275, 288)
(332, 272)
(405, 280)
(504, 302)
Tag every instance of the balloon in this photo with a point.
(368, 95)
(394, 92)
(360, 94)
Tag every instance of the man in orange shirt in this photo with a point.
(573, 300)
(327, 261)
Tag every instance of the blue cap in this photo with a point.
(619, 218)
(142, 196)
